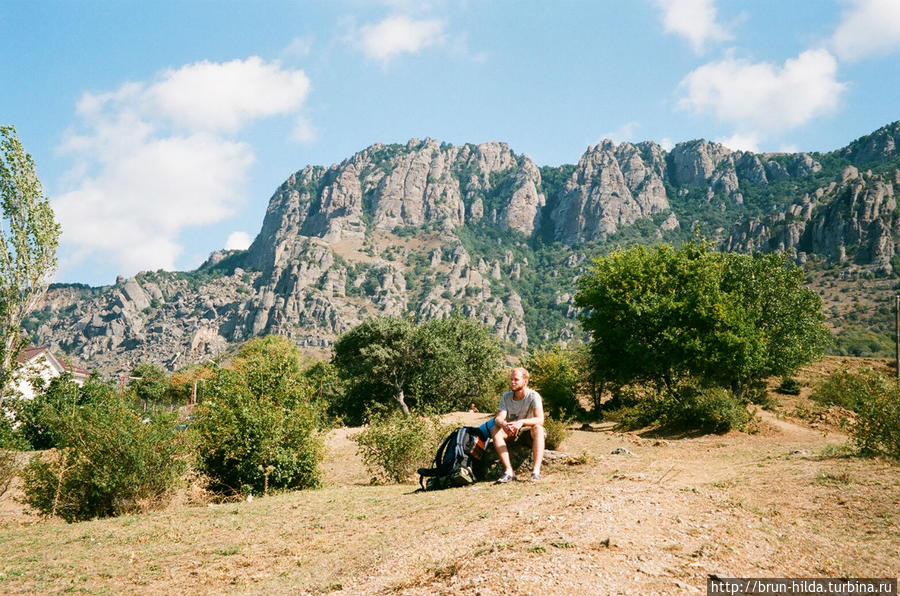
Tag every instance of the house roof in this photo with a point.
(31, 352)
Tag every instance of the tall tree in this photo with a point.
(29, 235)
(663, 315)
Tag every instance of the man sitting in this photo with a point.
(520, 417)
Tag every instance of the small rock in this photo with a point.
(800, 452)
(622, 451)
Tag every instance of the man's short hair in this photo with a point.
(523, 369)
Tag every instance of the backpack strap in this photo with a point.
(438, 458)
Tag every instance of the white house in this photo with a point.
(40, 362)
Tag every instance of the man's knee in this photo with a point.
(537, 431)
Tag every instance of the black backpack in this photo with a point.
(458, 461)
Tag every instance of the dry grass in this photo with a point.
(786, 501)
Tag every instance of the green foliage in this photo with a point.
(843, 388)
(556, 432)
(148, 384)
(554, 374)
(663, 315)
(8, 468)
(257, 427)
(442, 364)
(29, 235)
(39, 417)
(393, 446)
(686, 408)
(789, 386)
(876, 401)
(108, 462)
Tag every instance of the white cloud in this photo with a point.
(150, 162)
(621, 134)
(238, 241)
(400, 35)
(762, 98)
(695, 20)
(667, 144)
(741, 142)
(224, 97)
(867, 28)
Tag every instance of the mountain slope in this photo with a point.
(432, 228)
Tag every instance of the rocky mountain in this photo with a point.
(431, 228)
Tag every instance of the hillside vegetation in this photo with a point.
(631, 511)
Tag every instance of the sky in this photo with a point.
(161, 129)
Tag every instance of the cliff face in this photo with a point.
(433, 229)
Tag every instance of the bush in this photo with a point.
(789, 386)
(393, 446)
(109, 462)
(876, 401)
(39, 416)
(8, 469)
(553, 373)
(688, 407)
(257, 427)
(844, 389)
(556, 432)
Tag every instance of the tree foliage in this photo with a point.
(258, 428)
(438, 363)
(108, 460)
(662, 315)
(555, 375)
(29, 236)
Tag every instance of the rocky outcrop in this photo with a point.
(436, 230)
(610, 188)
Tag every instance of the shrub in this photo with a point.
(257, 428)
(688, 407)
(554, 375)
(876, 401)
(556, 432)
(844, 389)
(8, 469)
(39, 417)
(789, 386)
(393, 446)
(250, 443)
(109, 462)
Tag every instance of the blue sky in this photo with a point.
(160, 129)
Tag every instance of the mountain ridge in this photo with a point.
(431, 228)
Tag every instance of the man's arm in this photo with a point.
(536, 419)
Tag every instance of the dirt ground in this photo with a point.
(631, 513)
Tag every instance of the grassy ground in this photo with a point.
(785, 501)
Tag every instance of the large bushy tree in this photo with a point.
(258, 427)
(29, 236)
(439, 363)
(662, 315)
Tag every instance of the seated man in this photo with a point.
(519, 409)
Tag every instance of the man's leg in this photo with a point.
(502, 450)
(537, 448)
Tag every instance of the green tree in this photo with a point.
(662, 316)
(382, 353)
(257, 427)
(439, 363)
(29, 236)
(109, 460)
(555, 375)
(148, 384)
